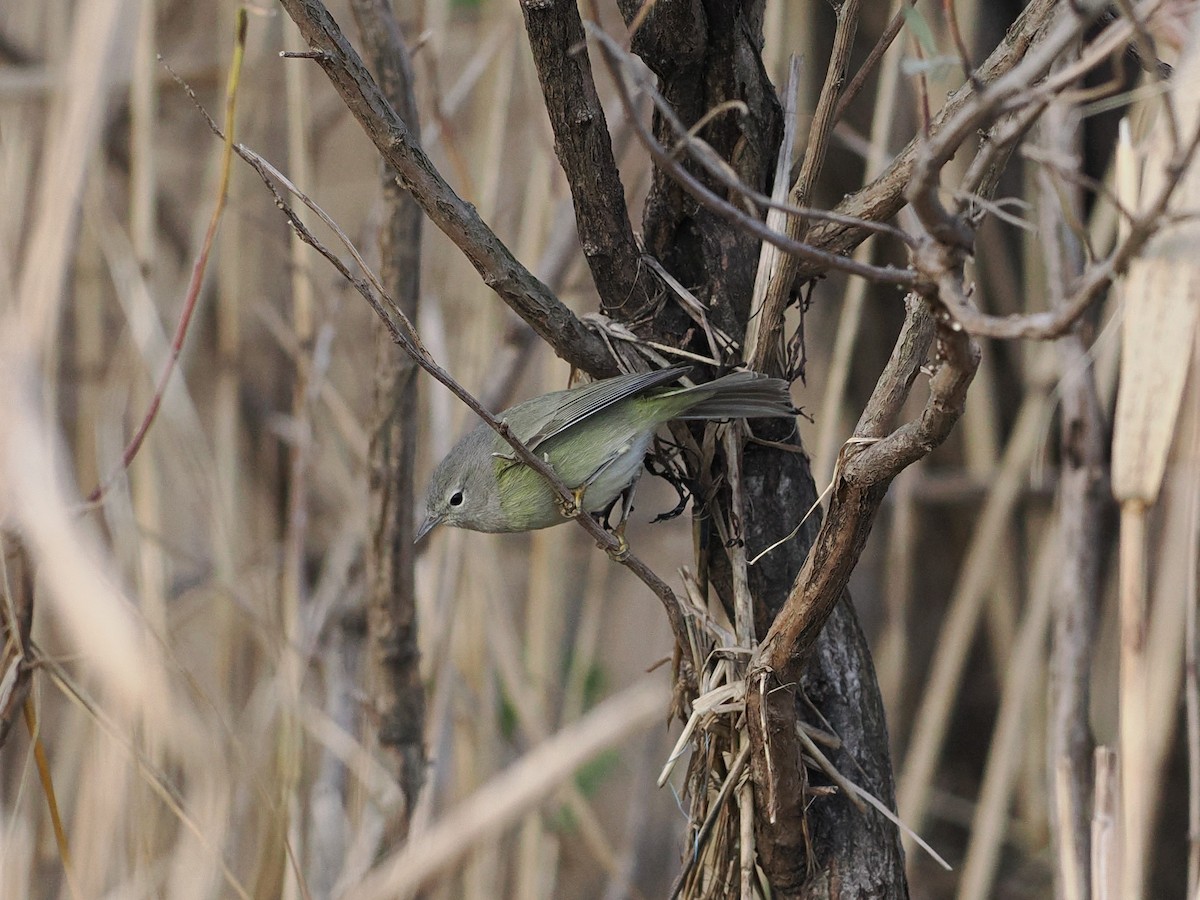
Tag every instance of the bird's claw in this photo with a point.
(571, 508)
(619, 553)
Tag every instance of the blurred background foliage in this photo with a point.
(249, 676)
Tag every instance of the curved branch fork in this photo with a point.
(866, 466)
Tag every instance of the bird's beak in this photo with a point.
(431, 521)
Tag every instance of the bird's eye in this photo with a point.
(456, 498)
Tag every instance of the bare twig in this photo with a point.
(767, 356)
(952, 230)
(1095, 279)
(884, 197)
(500, 270)
(404, 335)
(933, 154)
(710, 200)
(855, 86)
(721, 171)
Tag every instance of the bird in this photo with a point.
(594, 437)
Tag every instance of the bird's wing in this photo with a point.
(581, 402)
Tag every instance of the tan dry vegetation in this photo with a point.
(200, 679)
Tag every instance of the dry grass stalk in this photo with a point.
(958, 628)
(516, 790)
(1191, 665)
(1106, 814)
(1161, 316)
(1022, 678)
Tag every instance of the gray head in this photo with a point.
(462, 490)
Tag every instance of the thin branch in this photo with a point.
(821, 127)
(939, 148)
(884, 197)
(984, 171)
(1081, 512)
(500, 270)
(714, 203)
(859, 80)
(720, 170)
(1056, 322)
(404, 335)
(767, 356)
(952, 230)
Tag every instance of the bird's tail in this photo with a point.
(739, 395)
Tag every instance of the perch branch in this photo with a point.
(405, 336)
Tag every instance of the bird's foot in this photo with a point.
(619, 553)
(571, 508)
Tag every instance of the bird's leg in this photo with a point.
(625, 498)
(571, 510)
